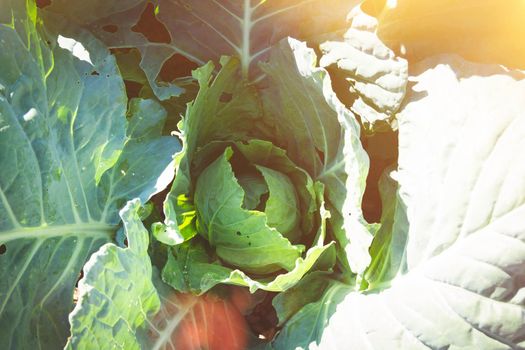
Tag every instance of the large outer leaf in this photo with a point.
(113, 315)
(462, 178)
(67, 164)
(206, 30)
(322, 136)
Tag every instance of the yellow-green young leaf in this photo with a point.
(194, 268)
(282, 207)
(240, 237)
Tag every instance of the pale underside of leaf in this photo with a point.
(376, 76)
(462, 178)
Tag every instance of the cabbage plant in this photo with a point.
(262, 174)
(257, 217)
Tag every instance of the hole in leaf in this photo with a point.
(80, 275)
(95, 73)
(158, 200)
(382, 150)
(321, 155)
(75, 295)
(263, 319)
(119, 50)
(43, 3)
(225, 97)
(132, 88)
(3, 249)
(149, 26)
(262, 204)
(344, 88)
(110, 28)
(175, 67)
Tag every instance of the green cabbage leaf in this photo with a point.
(72, 155)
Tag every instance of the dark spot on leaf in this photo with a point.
(175, 67)
(95, 73)
(250, 244)
(3, 249)
(238, 233)
(110, 28)
(107, 75)
(149, 26)
(225, 97)
(126, 242)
